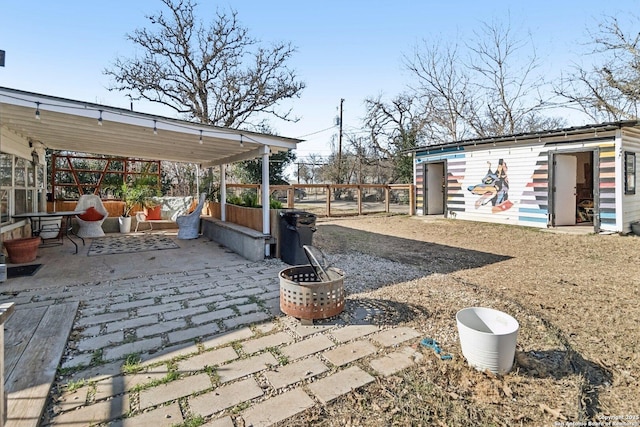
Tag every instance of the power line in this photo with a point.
(316, 132)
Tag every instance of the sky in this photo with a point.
(347, 49)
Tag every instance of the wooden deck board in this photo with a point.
(29, 383)
(19, 329)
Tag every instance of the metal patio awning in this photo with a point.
(64, 124)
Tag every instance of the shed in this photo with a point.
(578, 176)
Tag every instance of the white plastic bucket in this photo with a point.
(488, 338)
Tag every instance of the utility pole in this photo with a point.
(340, 144)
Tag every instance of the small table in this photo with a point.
(35, 218)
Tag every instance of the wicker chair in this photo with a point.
(189, 225)
(91, 228)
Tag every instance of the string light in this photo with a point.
(200, 142)
(119, 112)
(155, 128)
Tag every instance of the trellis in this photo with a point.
(65, 172)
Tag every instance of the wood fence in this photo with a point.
(333, 206)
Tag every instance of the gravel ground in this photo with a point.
(574, 296)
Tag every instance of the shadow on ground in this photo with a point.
(558, 364)
(432, 257)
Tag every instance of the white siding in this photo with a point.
(630, 202)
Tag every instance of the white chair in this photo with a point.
(189, 225)
(91, 225)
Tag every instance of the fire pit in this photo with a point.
(310, 292)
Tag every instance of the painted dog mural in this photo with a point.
(494, 188)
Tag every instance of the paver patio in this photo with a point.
(211, 341)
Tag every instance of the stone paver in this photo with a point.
(251, 365)
(131, 323)
(342, 382)
(73, 400)
(168, 353)
(293, 372)
(131, 304)
(184, 312)
(220, 422)
(394, 362)
(163, 416)
(77, 360)
(174, 389)
(307, 347)
(190, 320)
(394, 336)
(101, 318)
(273, 340)
(157, 309)
(351, 332)
(228, 337)
(246, 319)
(96, 413)
(305, 331)
(348, 353)
(186, 334)
(212, 316)
(209, 358)
(153, 374)
(160, 328)
(139, 346)
(225, 397)
(277, 408)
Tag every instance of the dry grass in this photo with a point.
(575, 297)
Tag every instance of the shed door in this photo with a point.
(435, 188)
(565, 185)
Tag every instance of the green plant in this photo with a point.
(250, 199)
(138, 193)
(192, 421)
(75, 385)
(132, 363)
(275, 204)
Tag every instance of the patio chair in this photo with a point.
(90, 223)
(189, 225)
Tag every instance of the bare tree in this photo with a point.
(491, 88)
(443, 87)
(216, 74)
(610, 89)
(395, 127)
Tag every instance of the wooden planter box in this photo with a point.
(247, 217)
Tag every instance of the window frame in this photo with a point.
(629, 172)
(31, 187)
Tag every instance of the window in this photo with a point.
(21, 183)
(629, 173)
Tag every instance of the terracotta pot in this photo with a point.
(154, 212)
(23, 250)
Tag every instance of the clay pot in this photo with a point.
(23, 250)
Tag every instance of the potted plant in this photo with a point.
(134, 194)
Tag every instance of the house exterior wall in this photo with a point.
(511, 182)
(18, 146)
(630, 142)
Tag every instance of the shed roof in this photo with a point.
(569, 132)
(65, 124)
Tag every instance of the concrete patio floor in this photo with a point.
(202, 331)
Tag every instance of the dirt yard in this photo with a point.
(575, 297)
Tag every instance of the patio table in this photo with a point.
(35, 219)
